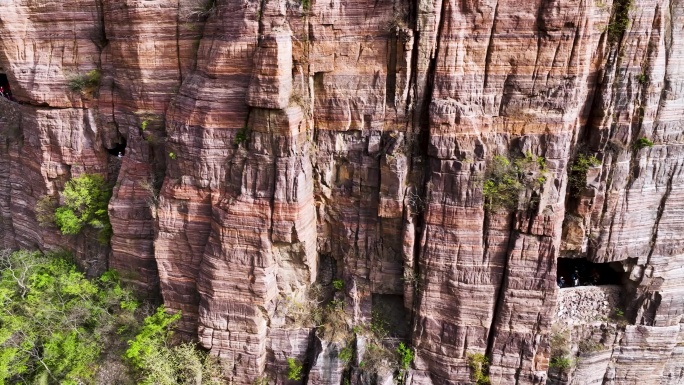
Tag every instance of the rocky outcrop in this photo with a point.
(277, 146)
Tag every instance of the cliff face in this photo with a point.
(277, 145)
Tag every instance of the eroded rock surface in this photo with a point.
(278, 146)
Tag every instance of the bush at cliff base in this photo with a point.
(54, 322)
(159, 363)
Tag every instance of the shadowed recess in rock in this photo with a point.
(4, 86)
(118, 149)
(581, 272)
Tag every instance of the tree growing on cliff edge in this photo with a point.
(85, 204)
(507, 179)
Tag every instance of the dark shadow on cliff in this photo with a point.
(582, 272)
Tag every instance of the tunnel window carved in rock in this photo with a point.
(573, 272)
(119, 149)
(5, 90)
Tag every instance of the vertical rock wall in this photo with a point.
(276, 145)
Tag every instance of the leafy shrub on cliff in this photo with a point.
(406, 356)
(577, 179)
(506, 180)
(642, 143)
(619, 20)
(54, 322)
(346, 354)
(561, 363)
(45, 211)
(85, 83)
(85, 204)
(479, 366)
(158, 362)
(294, 369)
(242, 136)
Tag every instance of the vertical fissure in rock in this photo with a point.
(99, 33)
(499, 299)
(488, 55)
(659, 214)
(178, 53)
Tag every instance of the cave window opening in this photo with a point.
(5, 87)
(119, 149)
(574, 272)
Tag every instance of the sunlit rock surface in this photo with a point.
(278, 145)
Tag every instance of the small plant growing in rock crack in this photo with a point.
(306, 4)
(406, 356)
(242, 136)
(507, 179)
(642, 143)
(263, 380)
(85, 83)
(561, 363)
(414, 201)
(577, 180)
(413, 279)
(294, 369)
(379, 325)
(338, 284)
(346, 354)
(589, 346)
(619, 317)
(479, 366)
(172, 155)
(642, 78)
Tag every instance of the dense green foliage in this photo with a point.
(53, 321)
(577, 180)
(346, 354)
(406, 356)
(86, 82)
(242, 136)
(294, 369)
(57, 327)
(507, 179)
(338, 284)
(85, 204)
(642, 142)
(619, 20)
(160, 363)
(560, 363)
(479, 366)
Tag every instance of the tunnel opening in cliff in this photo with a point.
(389, 312)
(574, 272)
(5, 86)
(118, 149)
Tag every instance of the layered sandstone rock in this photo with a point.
(281, 145)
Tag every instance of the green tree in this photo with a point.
(507, 179)
(160, 363)
(294, 369)
(53, 321)
(85, 204)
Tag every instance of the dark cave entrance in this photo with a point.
(5, 87)
(388, 312)
(582, 272)
(118, 149)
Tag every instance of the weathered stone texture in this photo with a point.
(276, 145)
